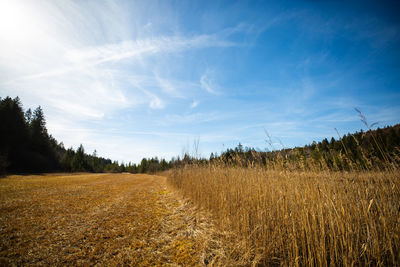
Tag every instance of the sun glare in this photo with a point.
(18, 22)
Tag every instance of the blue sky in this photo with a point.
(136, 79)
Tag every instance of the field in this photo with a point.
(202, 215)
(104, 219)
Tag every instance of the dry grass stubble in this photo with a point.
(104, 219)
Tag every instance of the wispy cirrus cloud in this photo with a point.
(208, 83)
(89, 80)
(148, 46)
(192, 118)
(89, 57)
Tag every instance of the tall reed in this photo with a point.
(299, 217)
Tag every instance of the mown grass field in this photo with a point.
(103, 219)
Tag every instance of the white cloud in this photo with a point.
(208, 84)
(192, 118)
(169, 87)
(156, 103)
(194, 104)
(152, 99)
(139, 47)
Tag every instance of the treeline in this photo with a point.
(26, 146)
(371, 150)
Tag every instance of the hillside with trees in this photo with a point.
(26, 145)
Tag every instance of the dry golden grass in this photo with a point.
(296, 218)
(103, 219)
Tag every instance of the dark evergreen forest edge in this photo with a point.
(26, 147)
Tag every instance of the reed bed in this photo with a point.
(298, 217)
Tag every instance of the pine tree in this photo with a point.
(13, 134)
(39, 135)
(78, 162)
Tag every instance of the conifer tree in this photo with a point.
(78, 162)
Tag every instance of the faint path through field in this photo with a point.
(88, 219)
